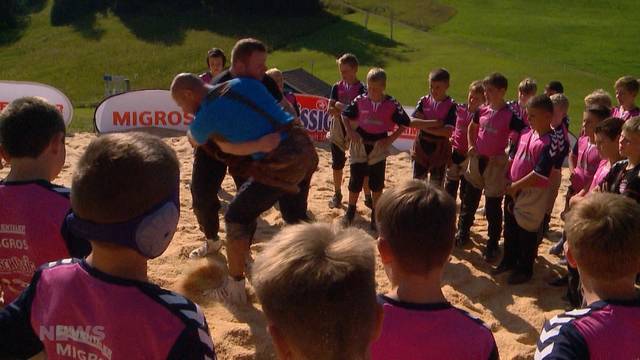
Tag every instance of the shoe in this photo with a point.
(210, 246)
(518, 277)
(557, 248)
(561, 281)
(336, 201)
(368, 201)
(348, 217)
(501, 268)
(563, 262)
(231, 291)
(491, 251)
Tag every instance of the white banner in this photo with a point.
(141, 109)
(11, 90)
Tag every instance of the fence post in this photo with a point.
(391, 21)
(366, 19)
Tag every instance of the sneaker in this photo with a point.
(501, 268)
(368, 201)
(347, 219)
(491, 251)
(518, 277)
(231, 291)
(560, 281)
(557, 248)
(336, 201)
(210, 246)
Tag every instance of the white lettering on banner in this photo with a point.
(14, 244)
(12, 229)
(15, 264)
(12, 90)
(315, 120)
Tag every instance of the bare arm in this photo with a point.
(386, 142)
(472, 135)
(526, 182)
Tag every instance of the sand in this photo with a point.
(515, 314)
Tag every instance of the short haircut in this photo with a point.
(244, 48)
(601, 111)
(598, 97)
(632, 125)
(602, 231)
(348, 59)
(186, 81)
(477, 87)
(496, 80)
(542, 102)
(629, 83)
(528, 86)
(216, 53)
(560, 100)
(28, 125)
(377, 75)
(440, 74)
(122, 176)
(555, 86)
(274, 72)
(418, 245)
(611, 127)
(316, 284)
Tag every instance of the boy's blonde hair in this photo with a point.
(122, 176)
(632, 126)
(377, 75)
(528, 86)
(598, 97)
(348, 59)
(560, 100)
(477, 87)
(275, 74)
(628, 83)
(316, 285)
(418, 221)
(602, 231)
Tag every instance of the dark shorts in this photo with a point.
(338, 157)
(375, 172)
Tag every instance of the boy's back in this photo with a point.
(31, 215)
(604, 330)
(77, 310)
(425, 331)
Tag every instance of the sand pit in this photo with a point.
(514, 313)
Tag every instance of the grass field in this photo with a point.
(583, 44)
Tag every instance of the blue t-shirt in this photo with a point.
(231, 119)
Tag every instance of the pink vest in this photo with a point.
(348, 92)
(31, 215)
(601, 173)
(611, 332)
(432, 109)
(619, 112)
(375, 118)
(586, 165)
(493, 132)
(459, 138)
(530, 149)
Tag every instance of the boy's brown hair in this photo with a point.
(560, 100)
(439, 75)
(611, 127)
(316, 285)
(418, 221)
(348, 59)
(601, 111)
(122, 176)
(542, 102)
(602, 231)
(27, 126)
(377, 75)
(628, 83)
(632, 126)
(598, 97)
(477, 87)
(528, 86)
(243, 49)
(496, 80)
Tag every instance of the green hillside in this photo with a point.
(583, 44)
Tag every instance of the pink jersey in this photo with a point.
(459, 138)
(431, 331)
(345, 93)
(494, 129)
(79, 312)
(534, 154)
(206, 77)
(431, 109)
(601, 173)
(588, 160)
(519, 110)
(31, 216)
(623, 114)
(376, 117)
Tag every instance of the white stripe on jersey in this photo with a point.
(539, 355)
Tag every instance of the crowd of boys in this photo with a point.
(74, 261)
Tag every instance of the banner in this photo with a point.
(11, 90)
(140, 110)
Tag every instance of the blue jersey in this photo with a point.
(237, 111)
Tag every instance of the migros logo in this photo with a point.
(151, 118)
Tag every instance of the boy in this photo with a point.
(526, 90)
(238, 116)
(432, 149)
(317, 290)
(459, 139)
(602, 233)
(32, 209)
(553, 87)
(488, 163)
(216, 61)
(342, 94)
(598, 97)
(104, 306)
(277, 76)
(368, 120)
(624, 176)
(418, 319)
(626, 91)
(528, 193)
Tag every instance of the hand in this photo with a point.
(269, 142)
(386, 142)
(335, 111)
